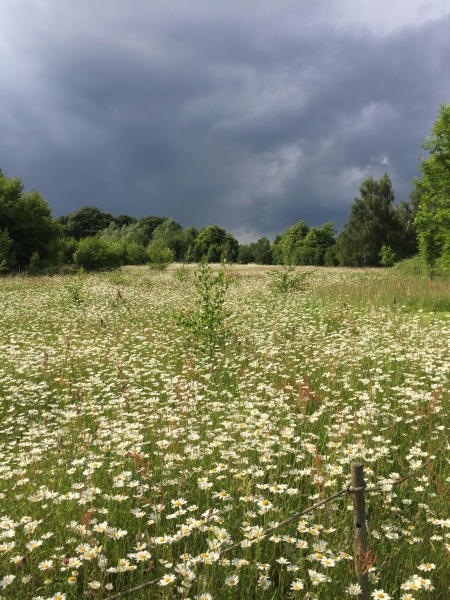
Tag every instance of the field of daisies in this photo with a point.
(130, 453)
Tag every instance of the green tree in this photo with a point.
(97, 254)
(122, 220)
(262, 252)
(27, 218)
(85, 222)
(291, 241)
(159, 255)
(7, 254)
(312, 249)
(371, 225)
(149, 224)
(246, 254)
(432, 219)
(214, 244)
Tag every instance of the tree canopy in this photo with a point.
(27, 225)
(432, 218)
(372, 224)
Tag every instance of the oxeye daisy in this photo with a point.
(232, 580)
(427, 567)
(380, 595)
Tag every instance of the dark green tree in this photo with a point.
(27, 219)
(149, 224)
(312, 249)
(372, 224)
(214, 244)
(85, 222)
(262, 251)
(122, 220)
(246, 254)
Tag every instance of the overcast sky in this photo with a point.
(252, 114)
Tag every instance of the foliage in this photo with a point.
(68, 247)
(27, 218)
(149, 224)
(214, 244)
(7, 254)
(159, 255)
(135, 254)
(302, 245)
(387, 256)
(182, 273)
(289, 279)
(132, 232)
(74, 288)
(205, 324)
(97, 253)
(246, 254)
(122, 220)
(432, 219)
(373, 223)
(262, 251)
(85, 222)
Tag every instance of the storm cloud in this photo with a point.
(249, 114)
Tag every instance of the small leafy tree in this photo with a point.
(387, 256)
(289, 279)
(159, 255)
(205, 324)
(97, 254)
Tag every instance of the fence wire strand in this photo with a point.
(348, 489)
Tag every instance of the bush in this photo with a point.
(97, 254)
(135, 253)
(159, 255)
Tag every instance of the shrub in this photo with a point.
(97, 254)
(159, 255)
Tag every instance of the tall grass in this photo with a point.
(128, 455)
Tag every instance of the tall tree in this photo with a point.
(85, 222)
(432, 219)
(372, 224)
(27, 219)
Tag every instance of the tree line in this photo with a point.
(377, 232)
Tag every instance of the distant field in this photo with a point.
(129, 454)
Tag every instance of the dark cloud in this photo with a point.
(242, 114)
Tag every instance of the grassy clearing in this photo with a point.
(128, 455)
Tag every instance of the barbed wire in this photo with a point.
(347, 489)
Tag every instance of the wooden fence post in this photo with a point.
(360, 533)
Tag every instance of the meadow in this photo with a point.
(129, 453)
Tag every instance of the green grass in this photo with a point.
(106, 409)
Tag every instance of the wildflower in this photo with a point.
(380, 595)
(45, 565)
(8, 579)
(427, 567)
(297, 585)
(166, 580)
(232, 580)
(72, 580)
(95, 585)
(354, 589)
(327, 562)
(58, 596)
(32, 544)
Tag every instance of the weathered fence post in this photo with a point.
(360, 534)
